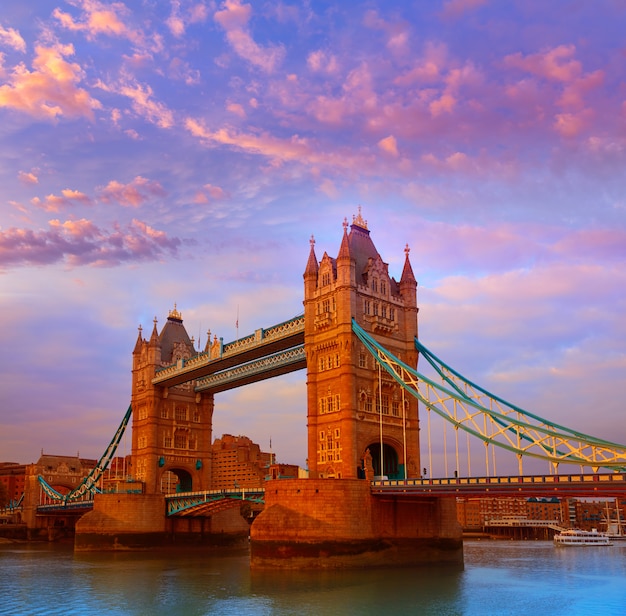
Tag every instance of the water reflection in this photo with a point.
(499, 577)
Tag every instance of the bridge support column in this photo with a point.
(326, 523)
(122, 521)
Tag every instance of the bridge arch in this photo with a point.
(391, 467)
(176, 480)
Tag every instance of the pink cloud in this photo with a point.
(177, 21)
(592, 244)
(27, 177)
(67, 198)
(233, 18)
(389, 145)
(444, 104)
(554, 64)
(359, 96)
(142, 102)
(428, 68)
(397, 31)
(134, 194)
(572, 124)
(209, 193)
(50, 90)
(574, 92)
(455, 8)
(293, 150)
(81, 242)
(174, 22)
(12, 38)
(179, 69)
(237, 109)
(99, 19)
(320, 61)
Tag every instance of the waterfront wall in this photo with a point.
(327, 523)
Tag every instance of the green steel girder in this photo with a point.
(184, 503)
(88, 486)
(473, 409)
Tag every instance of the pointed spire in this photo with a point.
(154, 338)
(344, 249)
(139, 342)
(407, 272)
(312, 266)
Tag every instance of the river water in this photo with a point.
(499, 577)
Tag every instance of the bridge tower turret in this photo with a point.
(360, 422)
(171, 427)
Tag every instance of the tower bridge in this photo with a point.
(358, 341)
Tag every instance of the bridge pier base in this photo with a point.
(336, 523)
(122, 522)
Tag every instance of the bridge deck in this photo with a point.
(581, 485)
(263, 343)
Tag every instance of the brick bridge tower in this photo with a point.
(357, 412)
(171, 431)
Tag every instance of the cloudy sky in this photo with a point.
(184, 152)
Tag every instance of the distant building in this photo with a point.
(12, 476)
(62, 473)
(238, 463)
(552, 508)
(476, 513)
(285, 471)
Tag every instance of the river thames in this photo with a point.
(499, 577)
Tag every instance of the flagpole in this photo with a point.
(237, 322)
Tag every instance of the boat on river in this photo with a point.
(583, 538)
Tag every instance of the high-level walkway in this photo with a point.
(266, 353)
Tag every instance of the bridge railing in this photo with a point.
(65, 506)
(511, 479)
(181, 501)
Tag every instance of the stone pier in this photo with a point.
(122, 521)
(322, 523)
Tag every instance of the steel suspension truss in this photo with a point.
(212, 501)
(89, 485)
(491, 419)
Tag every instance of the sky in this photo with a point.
(162, 153)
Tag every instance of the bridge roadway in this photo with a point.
(264, 343)
(576, 485)
(598, 485)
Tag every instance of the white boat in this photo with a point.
(576, 537)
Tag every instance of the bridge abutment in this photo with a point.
(337, 523)
(122, 521)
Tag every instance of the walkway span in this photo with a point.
(266, 353)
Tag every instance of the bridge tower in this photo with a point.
(359, 420)
(172, 427)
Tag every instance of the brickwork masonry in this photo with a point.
(122, 521)
(325, 523)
